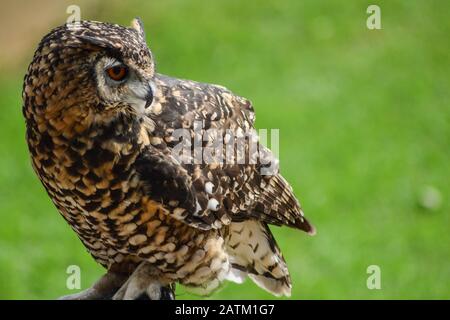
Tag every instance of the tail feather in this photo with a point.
(253, 251)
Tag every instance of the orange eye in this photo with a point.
(117, 73)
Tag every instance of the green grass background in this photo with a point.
(364, 127)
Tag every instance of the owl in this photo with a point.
(104, 131)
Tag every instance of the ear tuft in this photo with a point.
(137, 25)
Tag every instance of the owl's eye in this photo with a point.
(117, 73)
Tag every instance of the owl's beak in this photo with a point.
(140, 96)
(148, 97)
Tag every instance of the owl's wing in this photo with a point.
(208, 194)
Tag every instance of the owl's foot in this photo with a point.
(145, 284)
(142, 284)
(103, 289)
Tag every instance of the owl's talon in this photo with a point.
(143, 284)
(103, 289)
(168, 293)
(88, 294)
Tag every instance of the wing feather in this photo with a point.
(212, 194)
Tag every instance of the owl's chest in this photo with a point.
(96, 181)
(98, 194)
(88, 176)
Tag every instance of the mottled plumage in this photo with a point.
(103, 149)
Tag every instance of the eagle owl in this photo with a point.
(100, 126)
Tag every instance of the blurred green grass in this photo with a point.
(364, 127)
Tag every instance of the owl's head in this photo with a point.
(90, 70)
